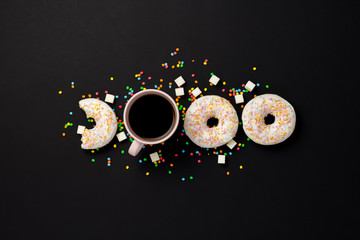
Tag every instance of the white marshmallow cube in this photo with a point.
(179, 92)
(196, 92)
(231, 144)
(249, 86)
(80, 129)
(221, 159)
(154, 157)
(239, 98)
(179, 81)
(121, 136)
(214, 79)
(109, 98)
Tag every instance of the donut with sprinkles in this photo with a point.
(198, 114)
(106, 123)
(260, 107)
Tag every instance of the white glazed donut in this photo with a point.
(198, 114)
(106, 124)
(255, 112)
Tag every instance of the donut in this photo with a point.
(106, 124)
(200, 111)
(253, 119)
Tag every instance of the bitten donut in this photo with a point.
(253, 119)
(106, 124)
(200, 111)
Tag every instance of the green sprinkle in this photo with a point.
(225, 154)
(93, 160)
(248, 139)
(240, 123)
(243, 145)
(187, 143)
(122, 151)
(156, 164)
(145, 159)
(191, 177)
(127, 87)
(160, 155)
(211, 74)
(189, 99)
(169, 172)
(267, 86)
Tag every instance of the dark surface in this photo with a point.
(304, 188)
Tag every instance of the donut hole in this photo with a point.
(269, 119)
(90, 123)
(212, 122)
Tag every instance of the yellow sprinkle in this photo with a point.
(224, 83)
(111, 78)
(63, 134)
(254, 68)
(60, 92)
(241, 166)
(205, 89)
(127, 167)
(147, 173)
(114, 145)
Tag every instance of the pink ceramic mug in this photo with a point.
(139, 141)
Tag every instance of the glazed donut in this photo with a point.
(106, 124)
(200, 111)
(253, 119)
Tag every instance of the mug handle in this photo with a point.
(135, 148)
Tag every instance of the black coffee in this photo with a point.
(151, 116)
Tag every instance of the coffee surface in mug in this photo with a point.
(151, 116)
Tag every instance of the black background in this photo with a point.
(304, 188)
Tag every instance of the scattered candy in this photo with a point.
(141, 80)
